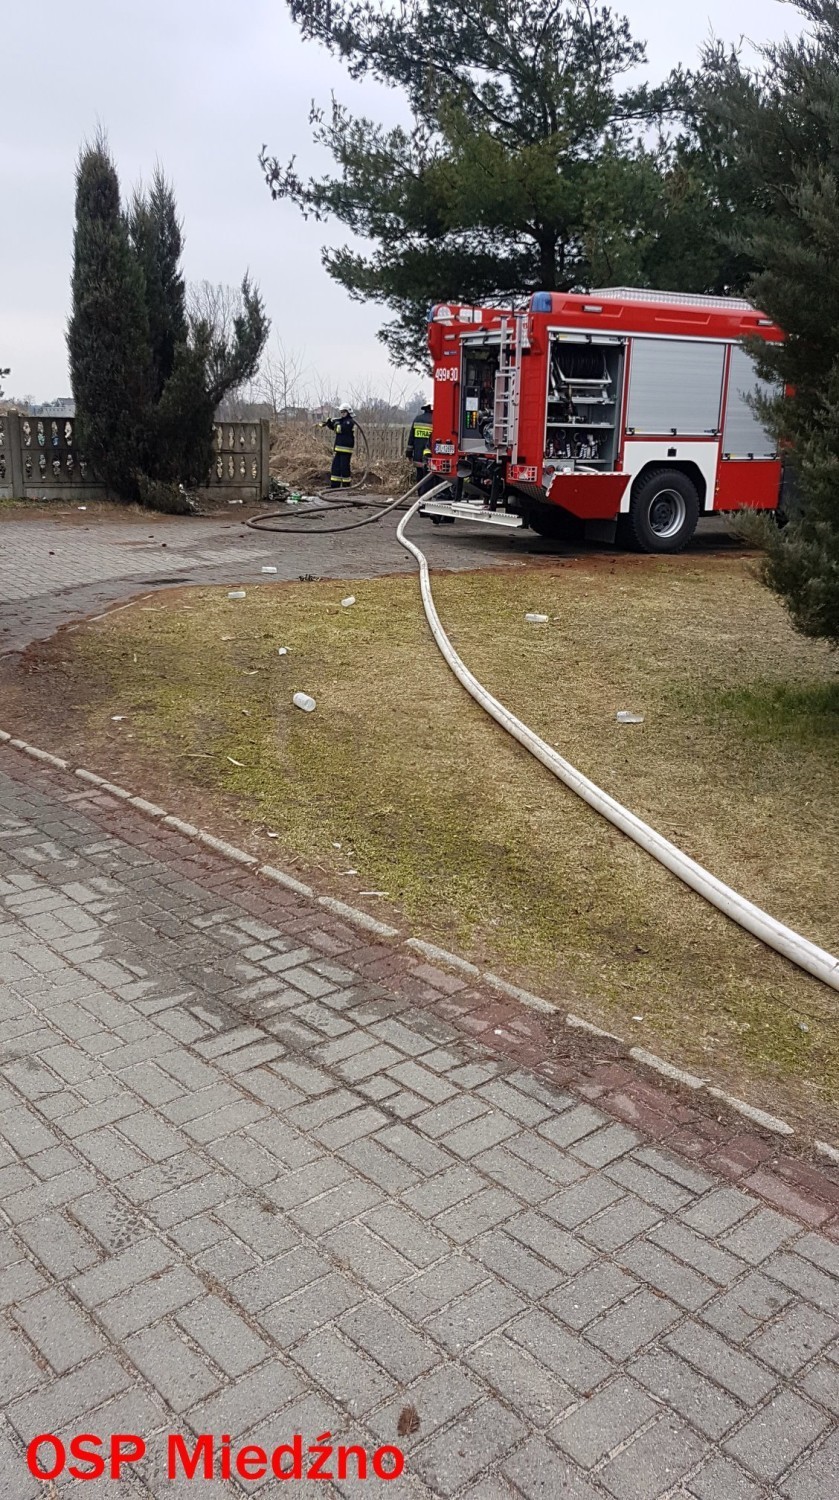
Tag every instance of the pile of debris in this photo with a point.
(277, 491)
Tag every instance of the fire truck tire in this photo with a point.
(663, 511)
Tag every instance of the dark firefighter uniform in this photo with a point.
(343, 427)
(419, 442)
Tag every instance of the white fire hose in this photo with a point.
(821, 964)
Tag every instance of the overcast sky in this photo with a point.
(201, 84)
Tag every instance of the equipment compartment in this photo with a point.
(480, 368)
(583, 406)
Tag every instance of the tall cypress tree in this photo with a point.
(146, 381)
(157, 237)
(108, 331)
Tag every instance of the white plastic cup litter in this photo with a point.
(302, 700)
(537, 619)
(350, 599)
(282, 650)
(236, 594)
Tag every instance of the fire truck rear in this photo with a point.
(620, 414)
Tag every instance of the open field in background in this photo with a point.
(400, 778)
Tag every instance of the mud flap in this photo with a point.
(601, 531)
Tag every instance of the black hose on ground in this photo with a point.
(257, 523)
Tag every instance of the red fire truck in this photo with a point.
(622, 413)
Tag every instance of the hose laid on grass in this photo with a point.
(799, 950)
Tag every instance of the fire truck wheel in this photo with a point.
(663, 511)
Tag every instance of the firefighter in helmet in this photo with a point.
(419, 442)
(343, 427)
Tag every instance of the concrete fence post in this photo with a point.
(264, 457)
(15, 455)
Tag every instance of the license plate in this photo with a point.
(444, 448)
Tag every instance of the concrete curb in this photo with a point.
(441, 956)
(757, 1116)
(105, 786)
(288, 881)
(667, 1069)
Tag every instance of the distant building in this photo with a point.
(63, 406)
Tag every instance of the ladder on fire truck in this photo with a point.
(505, 431)
(505, 416)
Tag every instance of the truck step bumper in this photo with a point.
(464, 511)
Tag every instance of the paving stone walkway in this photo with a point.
(260, 1176)
(52, 572)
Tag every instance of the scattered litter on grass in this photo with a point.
(117, 718)
(336, 846)
(227, 637)
(246, 712)
(537, 619)
(350, 599)
(269, 570)
(624, 717)
(370, 893)
(302, 700)
(282, 650)
(637, 1018)
(348, 872)
(271, 835)
(236, 593)
(235, 762)
(81, 507)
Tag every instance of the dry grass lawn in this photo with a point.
(399, 777)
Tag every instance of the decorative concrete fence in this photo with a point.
(39, 460)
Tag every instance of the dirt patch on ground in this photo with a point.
(398, 784)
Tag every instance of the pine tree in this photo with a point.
(783, 135)
(532, 161)
(108, 332)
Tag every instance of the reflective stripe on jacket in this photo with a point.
(344, 430)
(419, 442)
